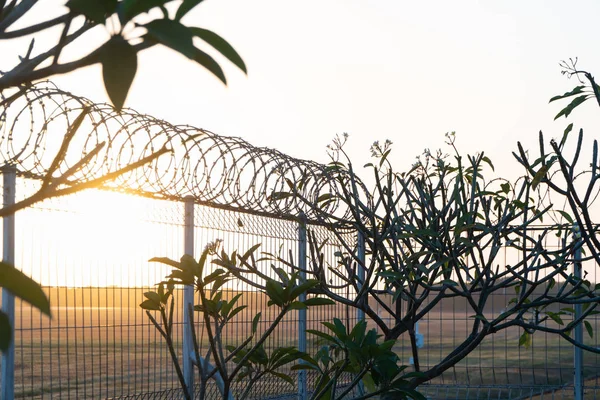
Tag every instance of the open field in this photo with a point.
(100, 344)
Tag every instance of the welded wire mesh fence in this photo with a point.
(90, 251)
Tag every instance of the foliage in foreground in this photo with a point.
(246, 361)
(118, 58)
(132, 26)
(438, 232)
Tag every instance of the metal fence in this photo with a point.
(90, 251)
(92, 260)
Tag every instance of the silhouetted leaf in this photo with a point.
(323, 335)
(525, 340)
(150, 305)
(172, 34)
(568, 109)
(297, 305)
(185, 7)
(167, 261)
(24, 287)
(488, 162)
(278, 196)
(236, 311)
(128, 9)
(5, 332)
(576, 90)
(319, 301)
(275, 292)
(283, 376)
(555, 317)
(96, 11)
(221, 45)
(210, 64)
(541, 174)
(119, 65)
(589, 328)
(155, 297)
(565, 134)
(565, 216)
(179, 37)
(255, 321)
(229, 305)
(324, 196)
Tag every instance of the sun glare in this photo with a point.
(108, 238)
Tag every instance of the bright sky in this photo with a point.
(380, 69)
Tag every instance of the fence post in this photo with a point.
(578, 334)
(360, 269)
(302, 384)
(188, 299)
(9, 174)
(360, 274)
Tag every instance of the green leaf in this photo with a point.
(283, 276)
(324, 196)
(449, 282)
(119, 65)
(275, 292)
(541, 174)
(172, 34)
(589, 328)
(96, 11)
(576, 90)
(128, 9)
(278, 196)
(488, 162)
(220, 44)
(179, 37)
(255, 321)
(210, 64)
(5, 332)
(24, 287)
(565, 216)
(229, 305)
(283, 376)
(298, 305)
(248, 253)
(150, 305)
(185, 7)
(565, 134)
(303, 287)
(525, 340)
(568, 109)
(323, 335)
(235, 312)
(167, 261)
(155, 297)
(319, 301)
(304, 367)
(555, 317)
(479, 317)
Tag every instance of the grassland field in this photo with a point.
(100, 344)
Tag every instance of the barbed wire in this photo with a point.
(219, 171)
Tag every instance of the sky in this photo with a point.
(378, 69)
